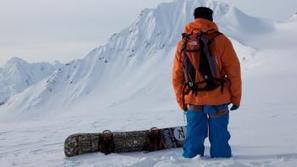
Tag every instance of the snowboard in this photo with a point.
(131, 141)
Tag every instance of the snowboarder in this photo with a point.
(206, 79)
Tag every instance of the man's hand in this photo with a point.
(234, 107)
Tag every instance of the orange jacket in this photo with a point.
(227, 63)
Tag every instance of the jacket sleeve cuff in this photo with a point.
(235, 101)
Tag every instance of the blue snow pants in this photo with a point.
(211, 121)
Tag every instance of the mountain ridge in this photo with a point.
(115, 70)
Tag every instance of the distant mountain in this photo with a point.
(17, 75)
(135, 62)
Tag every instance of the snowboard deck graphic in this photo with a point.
(117, 142)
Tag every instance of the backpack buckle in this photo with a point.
(191, 84)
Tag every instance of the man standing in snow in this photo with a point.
(206, 108)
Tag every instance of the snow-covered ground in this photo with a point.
(125, 85)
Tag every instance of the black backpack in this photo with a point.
(196, 46)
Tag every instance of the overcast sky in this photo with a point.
(48, 30)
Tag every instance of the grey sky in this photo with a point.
(46, 30)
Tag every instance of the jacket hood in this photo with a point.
(200, 25)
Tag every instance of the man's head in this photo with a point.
(203, 12)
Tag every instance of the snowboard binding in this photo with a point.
(106, 143)
(154, 141)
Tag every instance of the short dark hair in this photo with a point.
(203, 12)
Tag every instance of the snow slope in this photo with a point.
(125, 85)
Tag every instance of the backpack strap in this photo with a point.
(206, 39)
(186, 61)
(213, 34)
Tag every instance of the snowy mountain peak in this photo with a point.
(162, 26)
(123, 67)
(15, 60)
(17, 75)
